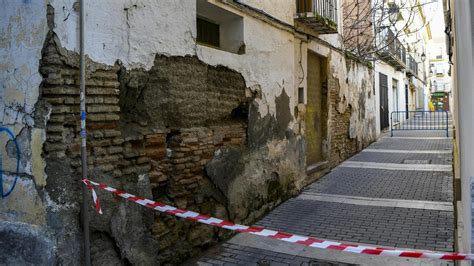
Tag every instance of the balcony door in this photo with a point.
(304, 6)
(407, 104)
(384, 113)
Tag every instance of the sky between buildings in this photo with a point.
(435, 15)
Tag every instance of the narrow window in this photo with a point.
(219, 28)
(301, 95)
(207, 32)
(304, 6)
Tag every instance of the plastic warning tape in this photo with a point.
(292, 238)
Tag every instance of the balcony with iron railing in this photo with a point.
(390, 49)
(412, 69)
(318, 15)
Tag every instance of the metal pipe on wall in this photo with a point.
(85, 214)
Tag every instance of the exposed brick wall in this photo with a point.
(190, 150)
(60, 90)
(173, 159)
(140, 124)
(341, 145)
(180, 92)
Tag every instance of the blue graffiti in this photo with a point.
(12, 138)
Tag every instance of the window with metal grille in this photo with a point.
(208, 32)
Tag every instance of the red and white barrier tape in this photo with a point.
(302, 240)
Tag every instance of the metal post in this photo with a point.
(447, 124)
(391, 124)
(85, 214)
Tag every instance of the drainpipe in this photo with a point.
(84, 211)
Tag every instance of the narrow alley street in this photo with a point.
(396, 193)
(237, 132)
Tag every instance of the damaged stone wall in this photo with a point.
(24, 235)
(192, 126)
(177, 133)
(352, 107)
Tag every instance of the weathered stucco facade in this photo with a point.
(212, 131)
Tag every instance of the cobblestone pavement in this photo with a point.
(412, 144)
(394, 227)
(379, 183)
(231, 254)
(364, 220)
(432, 158)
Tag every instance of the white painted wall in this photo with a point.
(464, 97)
(382, 67)
(283, 10)
(22, 32)
(130, 31)
(267, 63)
(415, 42)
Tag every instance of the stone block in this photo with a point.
(112, 133)
(114, 149)
(143, 160)
(117, 141)
(110, 100)
(102, 91)
(49, 147)
(61, 109)
(24, 244)
(155, 139)
(103, 108)
(60, 90)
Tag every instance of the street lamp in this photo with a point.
(423, 57)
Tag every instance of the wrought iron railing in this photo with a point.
(419, 120)
(403, 53)
(324, 8)
(412, 65)
(388, 42)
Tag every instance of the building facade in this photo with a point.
(222, 107)
(439, 80)
(402, 33)
(459, 28)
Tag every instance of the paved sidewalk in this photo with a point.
(364, 200)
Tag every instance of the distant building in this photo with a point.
(439, 76)
(459, 17)
(400, 66)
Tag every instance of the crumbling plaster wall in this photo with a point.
(130, 31)
(22, 38)
(266, 47)
(143, 33)
(265, 158)
(269, 155)
(352, 84)
(23, 215)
